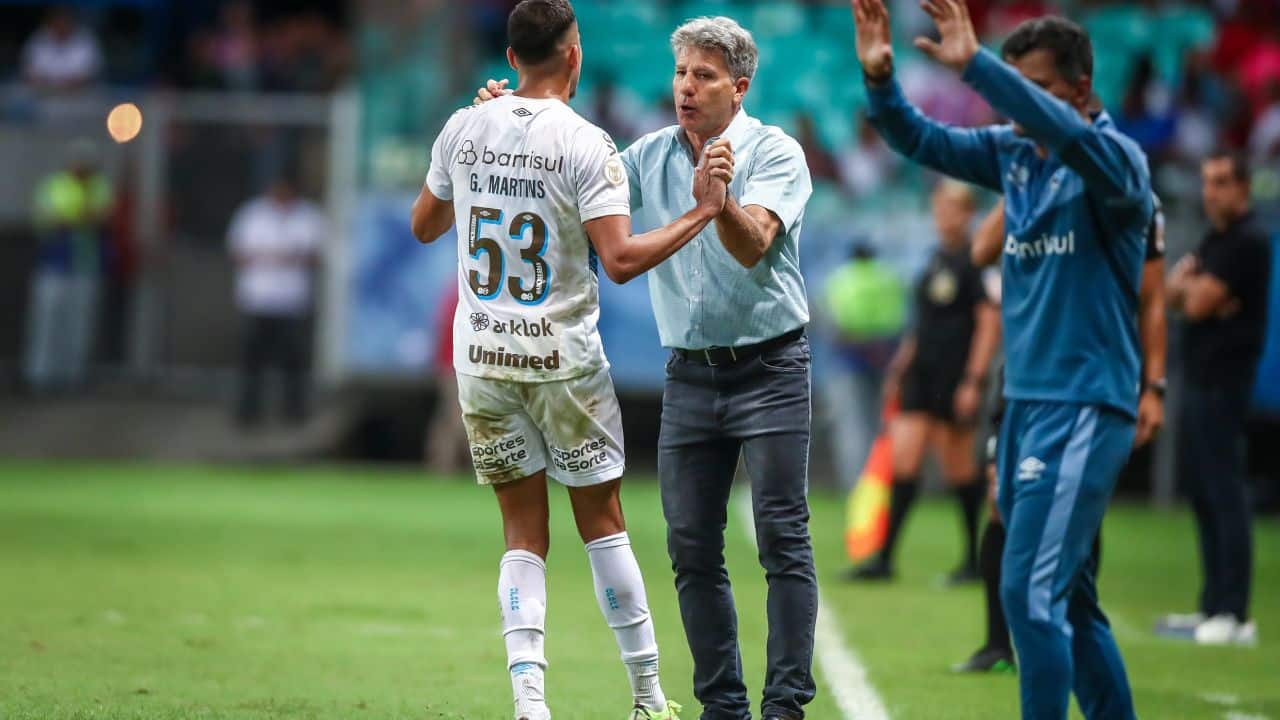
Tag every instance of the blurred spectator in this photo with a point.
(1202, 102)
(1221, 290)
(867, 164)
(233, 47)
(1259, 68)
(1264, 143)
(613, 111)
(275, 241)
(1146, 115)
(446, 440)
(866, 305)
(1005, 15)
(72, 208)
(61, 56)
(304, 53)
(822, 166)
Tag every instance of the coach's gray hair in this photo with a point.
(723, 34)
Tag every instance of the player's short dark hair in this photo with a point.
(536, 27)
(1240, 169)
(1068, 43)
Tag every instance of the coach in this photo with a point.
(731, 306)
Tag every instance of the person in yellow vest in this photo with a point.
(71, 211)
(865, 302)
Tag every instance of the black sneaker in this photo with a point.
(989, 660)
(964, 575)
(875, 569)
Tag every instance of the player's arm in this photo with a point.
(432, 213)
(773, 198)
(988, 239)
(431, 216)
(966, 154)
(626, 256)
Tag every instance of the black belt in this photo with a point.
(717, 356)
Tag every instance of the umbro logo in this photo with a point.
(468, 155)
(1030, 469)
(521, 112)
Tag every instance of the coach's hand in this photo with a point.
(875, 46)
(492, 89)
(959, 41)
(709, 188)
(1150, 418)
(719, 159)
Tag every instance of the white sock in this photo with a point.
(527, 685)
(620, 593)
(522, 597)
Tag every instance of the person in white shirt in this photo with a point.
(275, 241)
(541, 199)
(61, 55)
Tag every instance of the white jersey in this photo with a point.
(524, 175)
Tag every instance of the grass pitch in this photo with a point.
(156, 592)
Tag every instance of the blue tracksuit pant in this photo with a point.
(1058, 464)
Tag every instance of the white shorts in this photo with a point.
(570, 428)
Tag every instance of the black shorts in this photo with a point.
(931, 389)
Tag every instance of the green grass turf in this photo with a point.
(185, 592)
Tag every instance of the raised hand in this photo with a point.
(710, 188)
(719, 159)
(492, 89)
(875, 46)
(959, 40)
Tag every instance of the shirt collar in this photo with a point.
(735, 133)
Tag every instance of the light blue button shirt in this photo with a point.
(703, 297)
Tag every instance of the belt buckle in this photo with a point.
(706, 353)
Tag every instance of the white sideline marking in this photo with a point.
(845, 675)
(1226, 699)
(1243, 716)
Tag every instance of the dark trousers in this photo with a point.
(1211, 442)
(278, 341)
(758, 409)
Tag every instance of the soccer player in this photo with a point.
(1078, 201)
(996, 654)
(938, 374)
(732, 308)
(539, 193)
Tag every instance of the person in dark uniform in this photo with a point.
(1221, 291)
(938, 376)
(996, 654)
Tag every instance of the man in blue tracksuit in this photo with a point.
(1079, 200)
